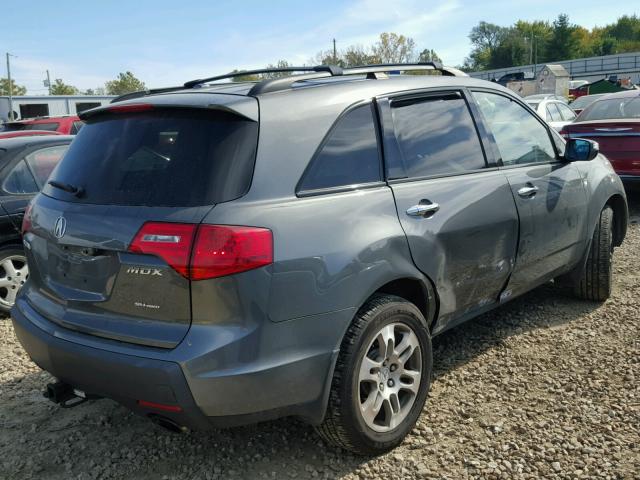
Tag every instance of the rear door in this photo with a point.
(158, 168)
(455, 208)
(549, 194)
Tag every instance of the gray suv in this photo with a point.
(231, 252)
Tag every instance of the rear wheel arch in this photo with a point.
(420, 292)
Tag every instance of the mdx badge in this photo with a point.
(60, 227)
(144, 271)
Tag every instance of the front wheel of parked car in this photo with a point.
(381, 379)
(13, 273)
(595, 284)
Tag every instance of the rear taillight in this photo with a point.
(223, 250)
(205, 251)
(26, 220)
(170, 241)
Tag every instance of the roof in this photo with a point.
(557, 70)
(347, 84)
(19, 142)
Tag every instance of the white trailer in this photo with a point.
(33, 106)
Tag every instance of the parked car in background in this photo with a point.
(556, 113)
(25, 133)
(25, 165)
(580, 103)
(206, 258)
(65, 125)
(515, 77)
(614, 122)
(545, 96)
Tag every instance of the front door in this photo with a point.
(456, 209)
(549, 192)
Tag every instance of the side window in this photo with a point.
(436, 136)
(554, 113)
(566, 112)
(43, 161)
(349, 155)
(20, 181)
(75, 128)
(520, 137)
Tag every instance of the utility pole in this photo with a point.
(10, 89)
(335, 53)
(49, 82)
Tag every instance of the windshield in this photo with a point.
(174, 158)
(622, 107)
(584, 101)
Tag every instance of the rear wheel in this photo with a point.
(596, 280)
(381, 379)
(13, 274)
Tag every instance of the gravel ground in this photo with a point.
(545, 387)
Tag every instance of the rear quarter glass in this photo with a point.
(165, 157)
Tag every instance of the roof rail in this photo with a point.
(276, 84)
(331, 69)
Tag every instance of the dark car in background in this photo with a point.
(580, 103)
(614, 122)
(65, 125)
(25, 165)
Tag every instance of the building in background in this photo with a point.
(33, 106)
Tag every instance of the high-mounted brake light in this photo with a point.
(26, 220)
(130, 108)
(205, 251)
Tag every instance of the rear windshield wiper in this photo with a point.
(67, 187)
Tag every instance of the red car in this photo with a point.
(614, 122)
(67, 125)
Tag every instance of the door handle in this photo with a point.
(423, 209)
(528, 191)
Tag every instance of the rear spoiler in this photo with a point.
(245, 107)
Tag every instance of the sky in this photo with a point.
(165, 43)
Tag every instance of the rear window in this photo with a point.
(175, 158)
(622, 107)
(50, 127)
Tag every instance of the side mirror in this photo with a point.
(579, 149)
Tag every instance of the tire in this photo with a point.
(346, 424)
(595, 284)
(11, 280)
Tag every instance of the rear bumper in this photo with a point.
(214, 383)
(123, 378)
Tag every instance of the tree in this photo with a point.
(280, 64)
(393, 48)
(125, 83)
(486, 38)
(15, 88)
(563, 44)
(357, 55)
(427, 55)
(244, 78)
(60, 88)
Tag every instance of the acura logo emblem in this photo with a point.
(60, 227)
